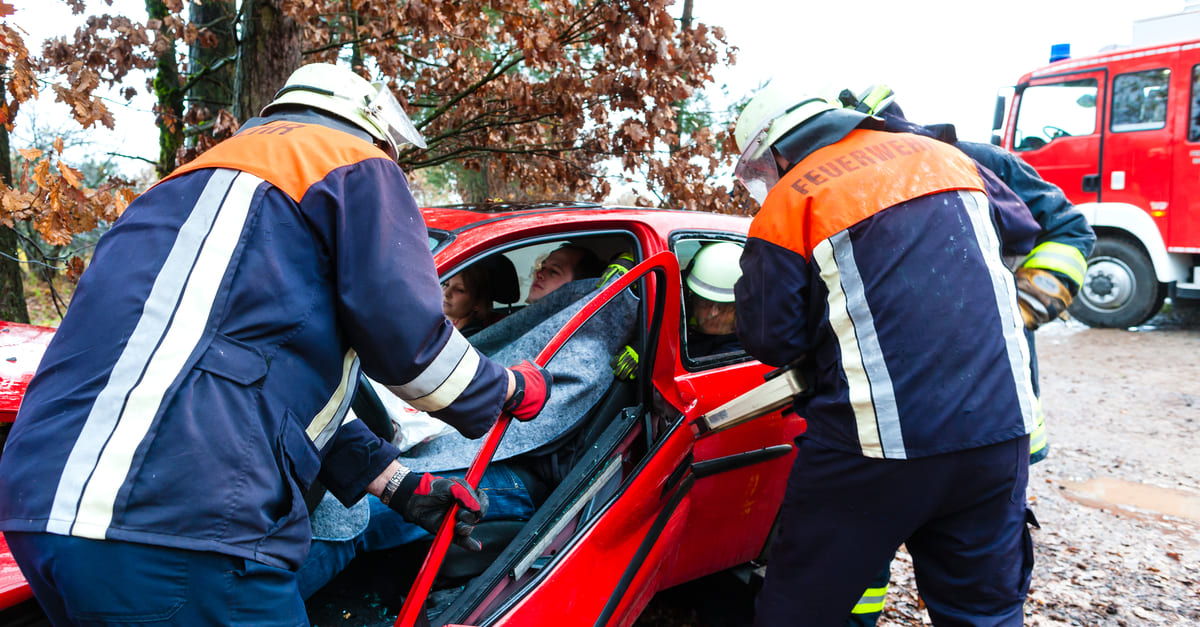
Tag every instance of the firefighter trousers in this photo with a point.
(962, 516)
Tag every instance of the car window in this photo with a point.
(709, 327)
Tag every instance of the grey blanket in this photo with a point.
(580, 369)
(581, 374)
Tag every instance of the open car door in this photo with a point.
(523, 586)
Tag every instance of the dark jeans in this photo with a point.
(79, 581)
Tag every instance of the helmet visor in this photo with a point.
(756, 169)
(396, 125)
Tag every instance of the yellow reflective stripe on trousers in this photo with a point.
(1060, 258)
(871, 601)
(1037, 439)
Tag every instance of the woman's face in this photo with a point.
(458, 303)
(713, 318)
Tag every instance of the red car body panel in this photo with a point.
(669, 522)
(21, 349)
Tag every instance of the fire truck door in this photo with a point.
(1185, 196)
(1058, 129)
(1137, 144)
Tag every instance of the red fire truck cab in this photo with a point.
(1119, 132)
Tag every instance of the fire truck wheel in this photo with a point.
(1120, 289)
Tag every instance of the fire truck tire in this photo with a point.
(1120, 289)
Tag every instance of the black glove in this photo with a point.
(424, 500)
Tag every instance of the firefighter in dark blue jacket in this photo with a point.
(201, 378)
(1061, 250)
(880, 257)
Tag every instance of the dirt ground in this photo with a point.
(1118, 498)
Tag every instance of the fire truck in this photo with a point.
(1119, 132)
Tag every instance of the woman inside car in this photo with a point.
(467, 299)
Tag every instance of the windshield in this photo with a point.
(1055, 110)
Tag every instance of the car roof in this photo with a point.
(460, 218)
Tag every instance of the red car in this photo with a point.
(681, 470)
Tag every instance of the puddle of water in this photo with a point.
(1105, 490)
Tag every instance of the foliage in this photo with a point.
(517, 99)
(529, 93)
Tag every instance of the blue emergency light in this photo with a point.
(1058, 52)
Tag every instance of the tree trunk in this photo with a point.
(12, 291)
(270, 51)
(170, 97)
(215, 90)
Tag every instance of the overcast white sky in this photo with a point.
(944, 58)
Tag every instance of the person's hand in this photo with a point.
(424, 500)
(1041, 297)
(625, 364)
(531, 392)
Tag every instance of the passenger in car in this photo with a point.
(512, 487)
(709, 280)
(569, 262)
(467, 299)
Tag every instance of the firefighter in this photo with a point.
(201, 378)
(879, 256)
(1059, 257)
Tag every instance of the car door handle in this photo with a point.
(1091, 182)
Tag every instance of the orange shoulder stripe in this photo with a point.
(307, 155)
(845, 183)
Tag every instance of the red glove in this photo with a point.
(424, 500)
(531, 393)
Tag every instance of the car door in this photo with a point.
(739, 473)
(618, 507)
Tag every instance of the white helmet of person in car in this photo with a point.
(339, 91)
(715, 269)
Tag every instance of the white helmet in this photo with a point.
(715, 269)
(769, 116)
(341, 92)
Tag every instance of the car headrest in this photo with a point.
(502, 275)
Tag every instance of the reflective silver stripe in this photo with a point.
(717, 291)
(176, 311)
(452, 388)
(445, 379)
(1005, 292)
(326, 422)
(438, 370)
(129, 365)
(872, 396)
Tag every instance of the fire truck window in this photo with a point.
(1055, 110)
(1194, 111)
(1140, 100)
